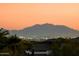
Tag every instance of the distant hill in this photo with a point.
(46, 30)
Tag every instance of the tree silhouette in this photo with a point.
(3, 32)
(3, 37)
(13, 44)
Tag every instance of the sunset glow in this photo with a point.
(18, 16)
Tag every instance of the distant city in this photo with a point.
(45, 31)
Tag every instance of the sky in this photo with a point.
(18, 16)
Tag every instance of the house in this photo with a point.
(39, 49)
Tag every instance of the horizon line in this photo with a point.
(43, 24)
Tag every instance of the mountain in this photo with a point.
(46, 31)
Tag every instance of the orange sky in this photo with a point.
(18, 16)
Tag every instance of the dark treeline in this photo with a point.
(15, 46)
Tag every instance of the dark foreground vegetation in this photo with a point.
(14, 46)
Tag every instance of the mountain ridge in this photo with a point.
(46, 30)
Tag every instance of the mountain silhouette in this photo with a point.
(46, 30)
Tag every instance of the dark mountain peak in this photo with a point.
(41, 25)
(47, 24)
(36, 25)
(52, 25)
